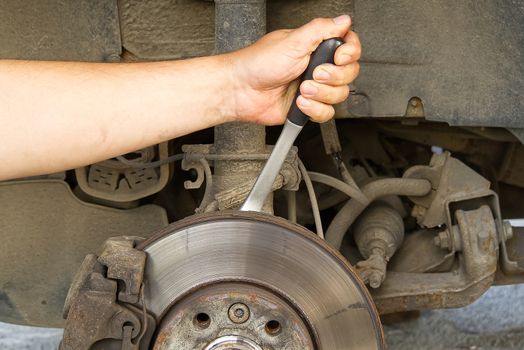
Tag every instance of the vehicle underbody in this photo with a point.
(402, 203)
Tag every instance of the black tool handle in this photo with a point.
(325, 53)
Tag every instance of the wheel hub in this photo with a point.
(233, 316)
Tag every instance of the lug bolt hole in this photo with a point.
(273, 327)
(202, 320)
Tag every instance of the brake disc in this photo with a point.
(250, 281)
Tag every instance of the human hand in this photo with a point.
(265, 74)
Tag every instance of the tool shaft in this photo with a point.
(264, 182)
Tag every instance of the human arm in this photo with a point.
(62, 115)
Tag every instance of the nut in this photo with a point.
(442, 240)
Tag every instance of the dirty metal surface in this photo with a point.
(125, 264)
(269, 252)
(237, 25)
(461, 286)
(409, 259)
(470, 212)
(257, 315)
(95, 315)
(452, 181)
(76, 30)
(443, 53)
(168, 29)
(46, 232)
(100, 307)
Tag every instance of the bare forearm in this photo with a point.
(61, 115)
(56, 115)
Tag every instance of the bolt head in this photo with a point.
(238, 313)
(508, 230)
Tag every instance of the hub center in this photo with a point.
(232, 342)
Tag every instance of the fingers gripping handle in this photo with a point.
(295, 121)
(325, 53)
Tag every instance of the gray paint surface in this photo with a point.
(495, 321)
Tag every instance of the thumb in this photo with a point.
(313, 33)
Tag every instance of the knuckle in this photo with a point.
(338, 76)
(351, 73)
(345, 93)
(355, 38)
(318, 21)
(329, 112)
(314, 41)
(358, 50)
(328, 96)
(356, 46)
(359, 46)
(357, 68)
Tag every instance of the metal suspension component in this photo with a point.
(238, 23)
(378, 234)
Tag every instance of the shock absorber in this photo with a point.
(238, 23)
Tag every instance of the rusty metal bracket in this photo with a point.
(104, 308)
(454, 184)
(95, 315)
(126, 264)
(474, 275)
(461, 202)
(451, 181)
(191, 162)
(288, 179)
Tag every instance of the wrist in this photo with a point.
(227, 88)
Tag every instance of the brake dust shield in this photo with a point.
(251, 281)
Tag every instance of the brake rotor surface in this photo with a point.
(252, 281)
